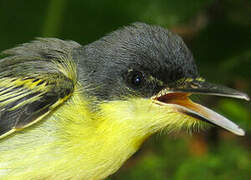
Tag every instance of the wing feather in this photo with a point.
(35, 78)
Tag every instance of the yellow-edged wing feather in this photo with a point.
(35, 78)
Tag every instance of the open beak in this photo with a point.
(179, 96)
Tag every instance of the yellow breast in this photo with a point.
(71, 143)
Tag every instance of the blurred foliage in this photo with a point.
(177, 163)
(219, 34)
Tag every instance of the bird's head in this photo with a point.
(142, 76)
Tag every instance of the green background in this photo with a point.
(218, 32)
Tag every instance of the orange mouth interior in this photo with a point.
(182, 99)
(186, 106)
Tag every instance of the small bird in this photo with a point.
(69, 111)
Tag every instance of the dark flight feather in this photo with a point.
(35, 78)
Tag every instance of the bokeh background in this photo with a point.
(219, 34)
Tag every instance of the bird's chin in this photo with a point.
(180, 101)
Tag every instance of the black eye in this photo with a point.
(135, 78)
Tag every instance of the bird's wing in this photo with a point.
(35, 78)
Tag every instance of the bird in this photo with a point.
(71, 111)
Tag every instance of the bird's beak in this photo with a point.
(179, 97)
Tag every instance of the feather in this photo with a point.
(35, 78)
